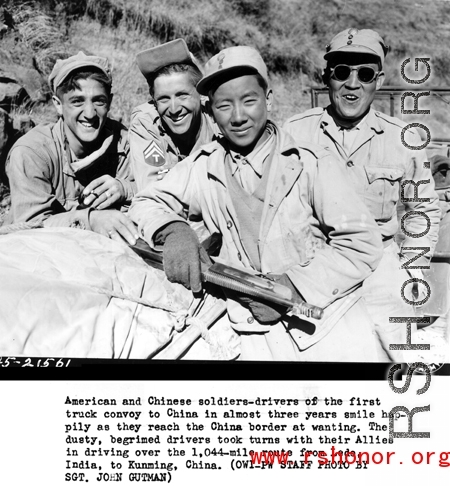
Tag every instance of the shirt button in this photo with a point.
(239, 256)
(244, 162)
(335, 291)
(250, 320)
(350, 163)
(229, 224)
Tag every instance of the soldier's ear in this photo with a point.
(380, 80)
(269, 100)
(57, 104)
(208, 107)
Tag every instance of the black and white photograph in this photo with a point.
(248, 197)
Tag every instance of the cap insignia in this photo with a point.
(220, 59)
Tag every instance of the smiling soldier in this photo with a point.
(75, 172)
(369, 145)
(279, 213)
(174, 123)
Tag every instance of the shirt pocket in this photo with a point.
(382, 191)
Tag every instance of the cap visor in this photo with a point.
(350, 49)
(204, 85)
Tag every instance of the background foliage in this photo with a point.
(290, 34)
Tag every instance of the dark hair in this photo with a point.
(72, 81)
(193, 71)
(234, 73)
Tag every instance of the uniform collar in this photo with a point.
(258, 156)
(285, 146)
(68, 156)
(371, 120)
(63, 146)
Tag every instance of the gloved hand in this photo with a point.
(264, 312)
(182, 255)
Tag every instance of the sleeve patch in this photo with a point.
(153, 155)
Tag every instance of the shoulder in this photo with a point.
(120, 133)
(313, 150)
(36, 136)
(116, 126)
(200, 161)
(307, 151)
(308, 115)
(397, 129)
(146, 110)
(144, 121)
(390, 122)
(39, 141)
(207, 150)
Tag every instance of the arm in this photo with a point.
(141, 133)
(165, 201)
(113, 190)
(124, 172)
(353, 245)
(417, 223)
(33, 196)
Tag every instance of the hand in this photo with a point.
(103, 192)
(264, 312)
(183, 255)
(114, 224)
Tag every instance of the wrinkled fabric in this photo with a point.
(44, 185)
(377, 164)
(314, 227)
(70, 293)
(147, 135)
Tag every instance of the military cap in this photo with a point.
(173, 52)
(232, 58)
(63, 67)
(354, 40)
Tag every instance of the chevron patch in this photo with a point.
(153, 155)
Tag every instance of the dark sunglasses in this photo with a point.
(342, 72)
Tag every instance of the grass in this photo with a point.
(290, 34)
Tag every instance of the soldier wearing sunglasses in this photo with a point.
(369, 144)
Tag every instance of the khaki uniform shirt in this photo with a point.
(377, 163)
(152, 149)
(44, 185)
(312, 226)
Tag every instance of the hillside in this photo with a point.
(290, 34)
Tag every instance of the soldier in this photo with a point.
(174, 122)
(279, 213)
(369, 145)
(75, 172)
